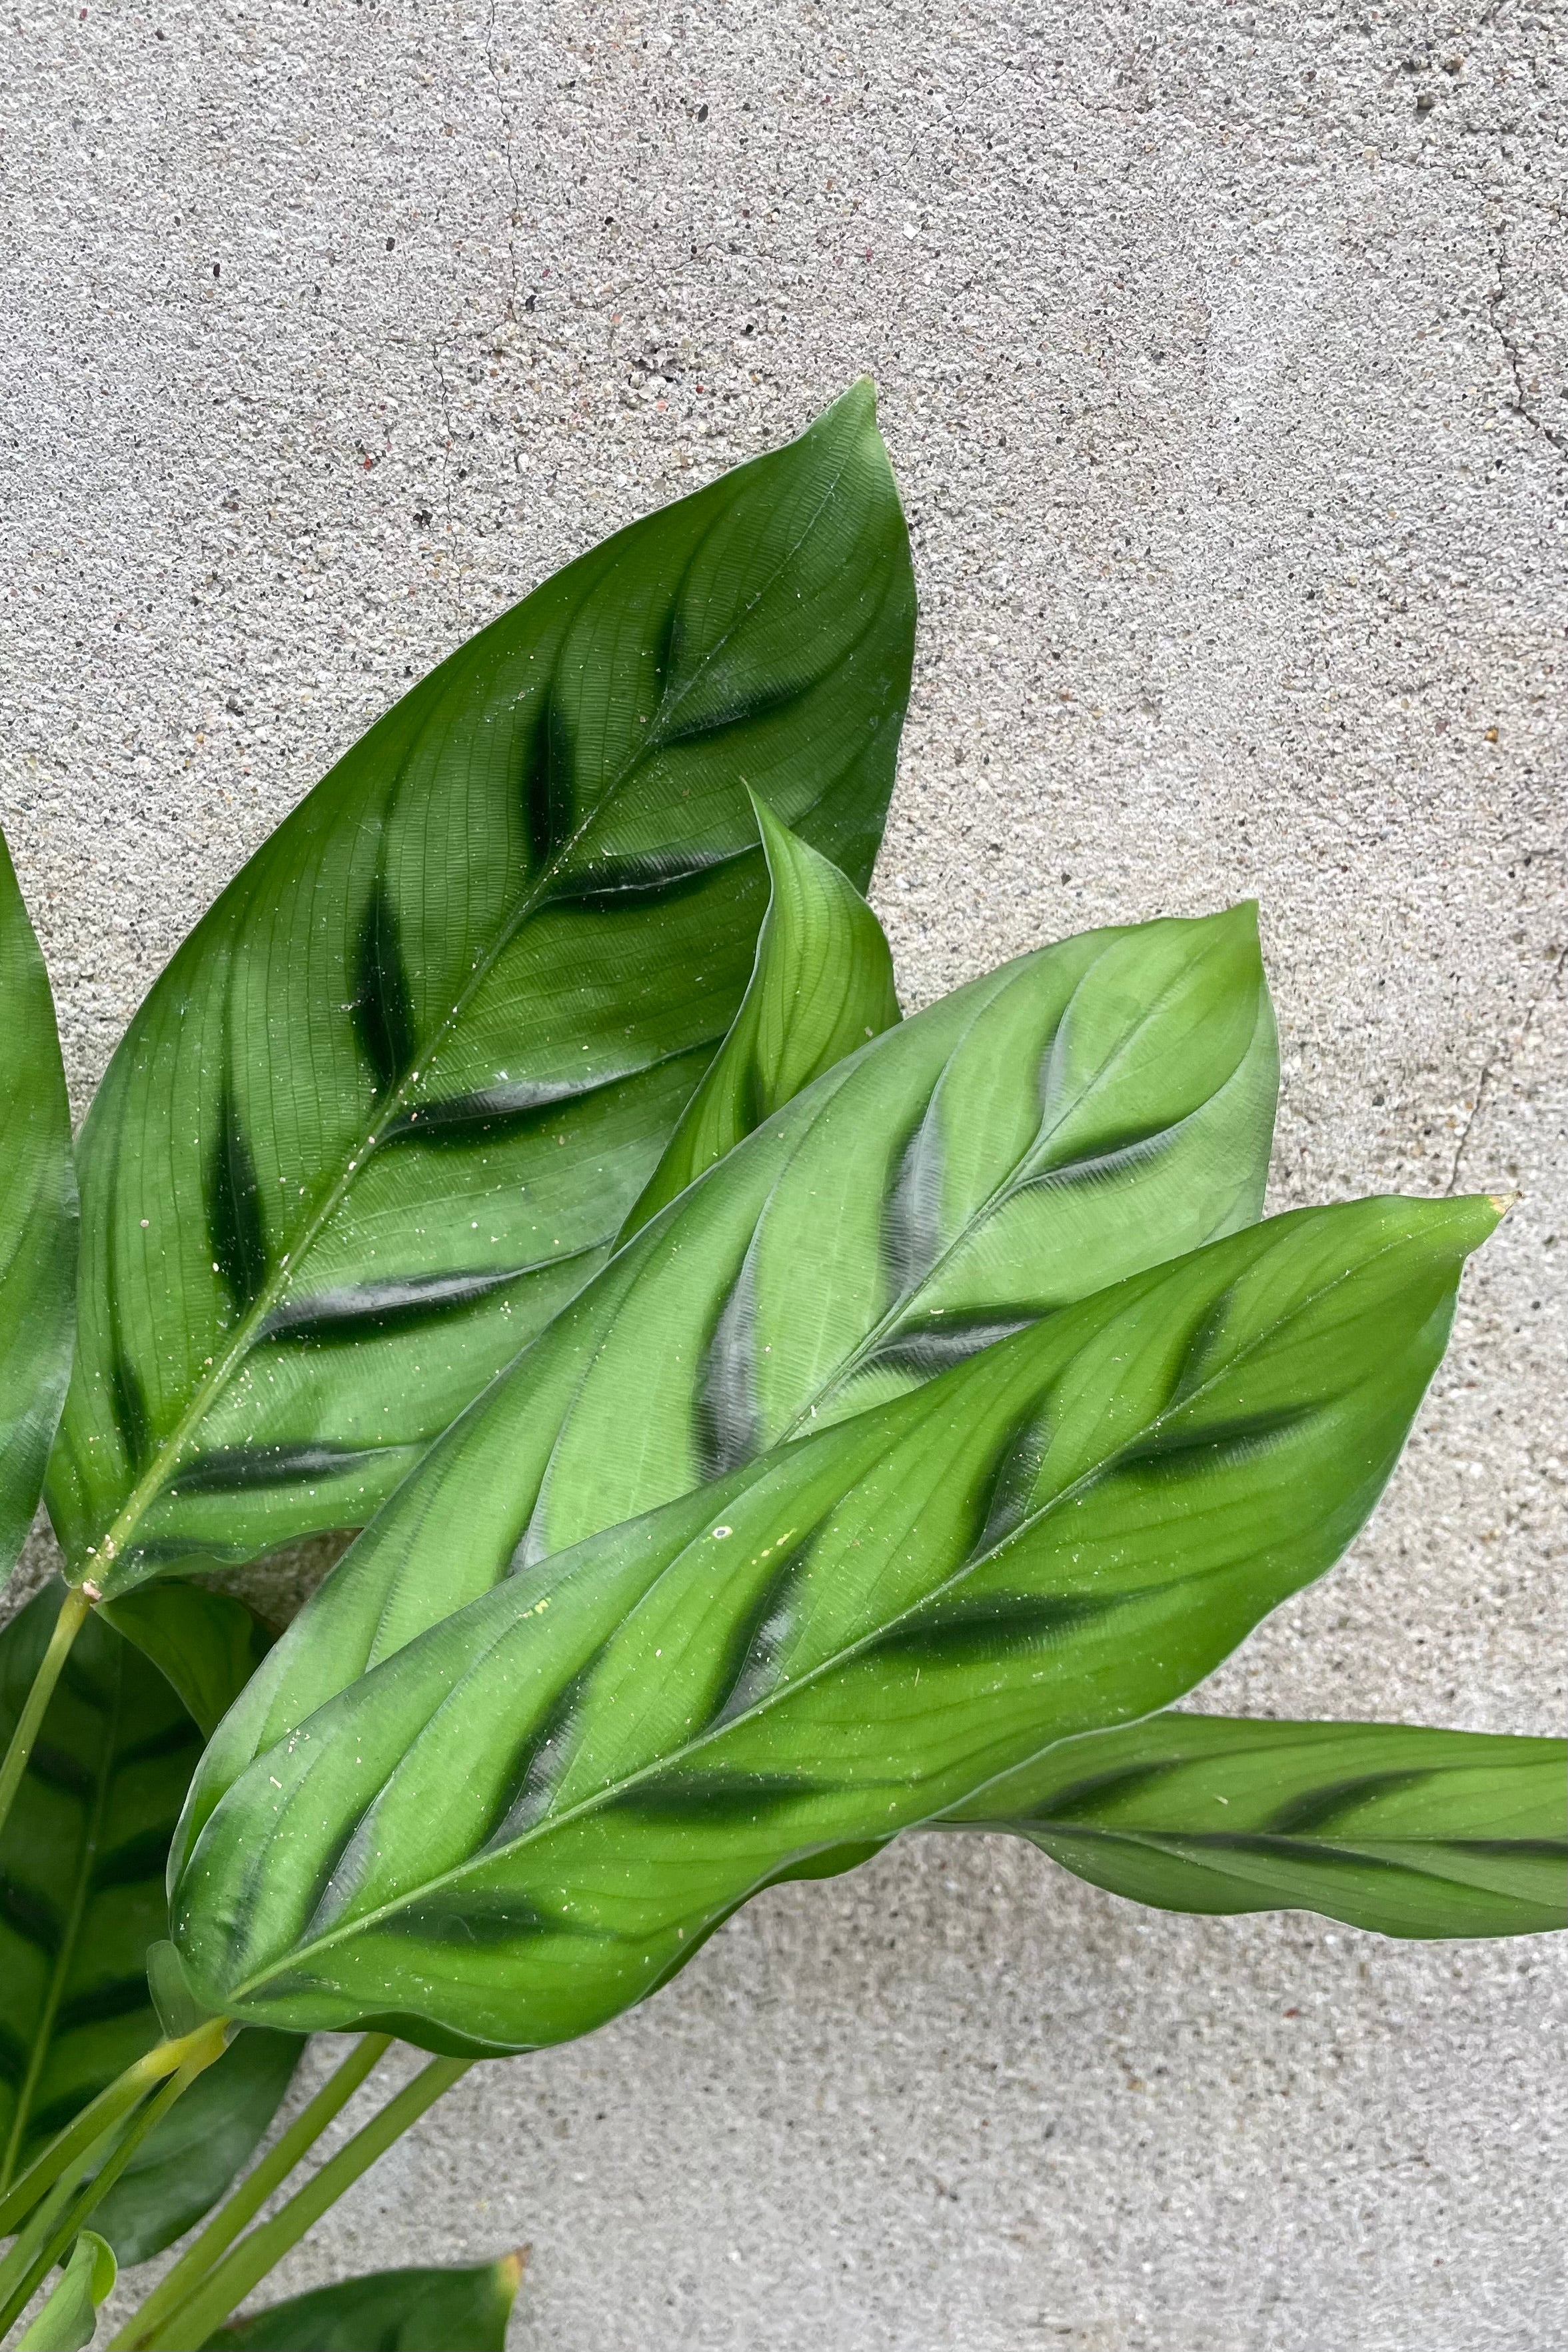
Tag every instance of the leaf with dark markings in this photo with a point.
(239, 1243)
(895, 1656)
(82, 1863)
(386, 1109)
(822, 985)
(892, 1220)
(1387, 1826)
(395, 2311)
(38, 1221)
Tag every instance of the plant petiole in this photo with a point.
(74, 1609)
(82, 2134)
(179, 2284)
(65, 2216)
(231, 2280)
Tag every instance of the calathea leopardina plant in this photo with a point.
(775, 1427)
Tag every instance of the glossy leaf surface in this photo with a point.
(1091, 1110)
(822, 984)
(68, 2321)
(1389, 1826)
(521, 1822)
(81, 1898)
(38, 1221)
(387, 1108)
(395, 2311)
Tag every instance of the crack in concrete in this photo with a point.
(1519, 403)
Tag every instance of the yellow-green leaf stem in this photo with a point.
(74, 1609)
(25, 2268)
(206, 2250)
(86, 2130)
(187, 2329)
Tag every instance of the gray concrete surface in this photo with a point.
(1224, 357)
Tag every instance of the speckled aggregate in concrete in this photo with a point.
(1224, 359)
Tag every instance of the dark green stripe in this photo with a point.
(383, 1000)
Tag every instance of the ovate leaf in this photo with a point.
(1407, 1830)
(396, 2310)
(822, 984)
(81, 1899)
(68, 2321)
(526, 1818)
(38, 1221)
(387, 1108)
(1091, 1110)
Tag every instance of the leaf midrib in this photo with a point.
(1013, 1182)
(365, 1921)
(168, 1456)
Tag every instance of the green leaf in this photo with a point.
(387, 1108)
(81, 1898)
(68, 2321)
(1407, 1831)
(207, 1644)
(38, 1221)
(518, 1825)
(822, 984)
(396, 2310)
(1089, 1110)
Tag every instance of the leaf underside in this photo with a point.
(38, 1221)
(81, 1897)
(388, 1106)
(1087, 1111)
(529, 1816)
(1410, 1831)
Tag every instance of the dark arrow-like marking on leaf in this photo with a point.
(1111, 1155)
(911, 1220)
(383, 1000)
(1180, 1450)
(924, 1349)
(227, 1467)
(548, 795)
(484, 1919)
(129, 1405)
(364, 1309)
(1305, 1816)
(234, 1208)
(521, 1106)
(725, 1407)
(964, 1632)
(682, 1794)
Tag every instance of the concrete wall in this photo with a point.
(1224, 357)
